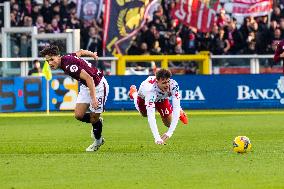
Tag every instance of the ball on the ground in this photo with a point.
(241, 144)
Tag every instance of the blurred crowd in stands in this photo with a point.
(161, 34)
(56, 17)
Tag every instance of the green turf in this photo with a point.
(38, 151)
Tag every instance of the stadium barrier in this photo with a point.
(216, 64)
(203, 59)
(24, 94)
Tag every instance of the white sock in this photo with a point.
(135, 95)
(99, 140)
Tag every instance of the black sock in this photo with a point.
(97, 129)
(86, 118)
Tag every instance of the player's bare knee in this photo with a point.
(79, 116)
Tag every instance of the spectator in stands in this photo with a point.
(65, 9)
(133, 48)
(222, 19)
(73, 22)
(16, 15)
(276, 14)
(94, 43)
(250, 44)
(27, 8)
(25, 45)
(156, 50)
(222, 44)
(46, 11)
(279, 54)
(28, 21)
(15, 51)
(272, 28)
(35, 12)
(170, 44)
(204, 42)
(235, 38)
(14, 21)
(189, 40)
(263, 23)
(245, 27)
(55, 26)
(55, 8)
(144, 49)
(40, 22)
(150, 36)
(275, 41)
(281, 27)
(261, 41)
(36, 70)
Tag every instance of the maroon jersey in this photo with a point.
(72, 65)
(279, 50)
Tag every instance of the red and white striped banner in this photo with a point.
(252, 7)
(196, 13)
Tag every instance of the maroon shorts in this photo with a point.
(164, 107)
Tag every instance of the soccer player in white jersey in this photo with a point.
(154, 94)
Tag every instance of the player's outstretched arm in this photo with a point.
(87, 53)
(153, 125)
(91, 85)
(176, 113)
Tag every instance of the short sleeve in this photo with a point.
(72, 66)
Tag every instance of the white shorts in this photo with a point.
(102, 91)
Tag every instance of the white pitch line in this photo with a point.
(197, 113)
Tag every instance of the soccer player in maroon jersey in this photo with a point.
(279, 53)
(94, 88)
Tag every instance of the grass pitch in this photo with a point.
(39, 151)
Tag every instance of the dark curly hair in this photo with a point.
(51, 50)
(163, 74)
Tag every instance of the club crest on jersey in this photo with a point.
(73, 68)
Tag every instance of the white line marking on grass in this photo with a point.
(125, 113)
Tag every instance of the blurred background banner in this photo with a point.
(123, 19)
(28, 94)
(199, 14)
(89, 9)
(210, 92)
(252, 7)
(24, 94)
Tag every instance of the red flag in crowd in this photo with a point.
(196, 13)
(252, 7)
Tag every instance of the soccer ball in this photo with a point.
(241, 144)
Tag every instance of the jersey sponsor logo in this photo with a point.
(73, 68)
(246, 92)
